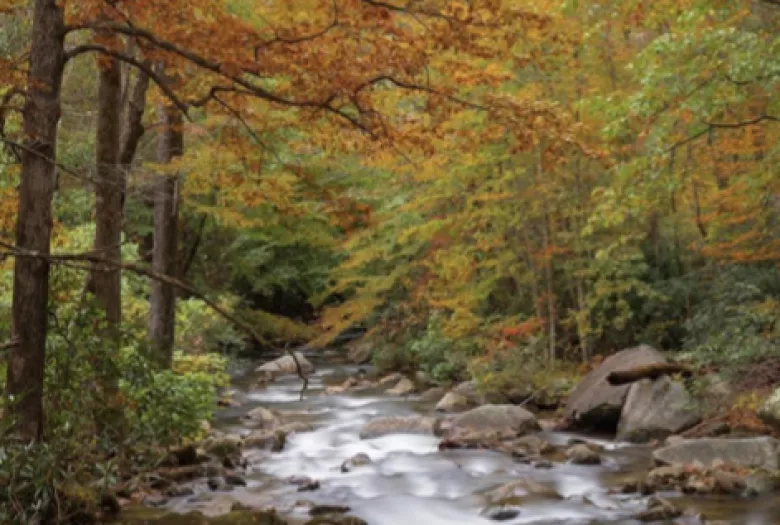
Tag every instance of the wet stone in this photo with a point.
(358, 460)
(543, 464)
(502, 513)
(658, 509)
(178, 491)
(319, 510)
(155, 500)
(583, 455)
(235, 480)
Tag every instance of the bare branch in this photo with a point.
(301, 39)
(723, 125)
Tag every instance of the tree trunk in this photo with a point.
(26, 358)
(133, 128)
(108, 191)
(164, 253)
(548, 269)
(105, 282)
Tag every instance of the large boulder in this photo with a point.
(594, 403)
(655, 410)
(286, 365)
(493, 421)
(453, 402)
(404, 387)
(760, 452)
(390, 380)
(770, 410)
(476, 396)
(383, 426)
(360, 352)
(433, 395)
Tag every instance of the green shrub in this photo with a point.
(444, 359)
(39, 485)
(737, 320)
(523, 370)
(86, 445)
(199, 328)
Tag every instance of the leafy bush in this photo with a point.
(524, 370)
(388, 357)
(444, 359)
(737, 320)
(37, 484)
(86, 445)
(170, 407)
(199, 328)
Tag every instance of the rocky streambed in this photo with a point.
(356, 451)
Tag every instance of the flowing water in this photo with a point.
(410, 482)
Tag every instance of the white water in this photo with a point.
(410, 482)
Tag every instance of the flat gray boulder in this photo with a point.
(286, 365)
(594, 403)
(759, 452)
(656, 410)
(493, 420)
(383, 426)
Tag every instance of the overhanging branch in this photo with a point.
(723, 125)
(99, 260)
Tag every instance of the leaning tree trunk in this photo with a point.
(164, 253)
(34, 221)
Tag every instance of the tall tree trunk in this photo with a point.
(548, 269)
(164, 253)
(108, 191)
(106, 282)
(26, 358)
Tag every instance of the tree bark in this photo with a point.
(164, 253)
(131, 137)
(133, 126)
(106, 283)
(108, 189)
(26, 358)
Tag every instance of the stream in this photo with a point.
(411, 482)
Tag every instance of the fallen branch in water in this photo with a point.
(68, 258)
